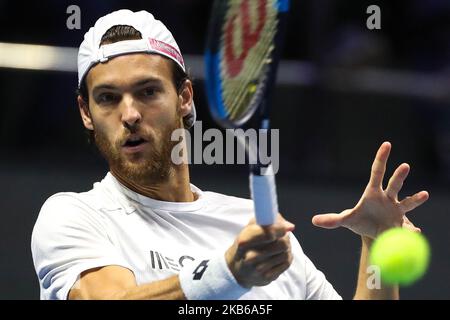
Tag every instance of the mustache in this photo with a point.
(124, 137)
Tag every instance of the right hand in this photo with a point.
(260, 253)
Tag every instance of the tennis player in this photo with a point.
(145, 232)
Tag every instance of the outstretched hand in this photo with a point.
(378, 209)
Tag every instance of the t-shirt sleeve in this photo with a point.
(69, 237)
(317, 286)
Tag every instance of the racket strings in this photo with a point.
(239, 98)
(239, 91)
(245, 92)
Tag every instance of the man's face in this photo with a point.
(134, 107)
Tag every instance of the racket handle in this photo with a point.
(264, 195)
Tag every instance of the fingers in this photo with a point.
(328, 220)
(276, 271)
(263, 252)
(254, 235)
(410, 203)
(379, 165)
(267, 270)
(274, 261)
(279, 218)
(259, 252)
(396, 182)
(266, 277)
(409, 225)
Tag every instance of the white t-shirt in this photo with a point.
(112, 225)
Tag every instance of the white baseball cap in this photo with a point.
(156, 39)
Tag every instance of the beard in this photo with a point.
(154, 166)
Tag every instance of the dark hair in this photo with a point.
(124, 32)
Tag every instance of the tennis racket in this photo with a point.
(241, 58)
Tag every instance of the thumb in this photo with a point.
(328, 220)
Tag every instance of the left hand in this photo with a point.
(378, 209)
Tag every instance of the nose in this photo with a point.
(130, 113)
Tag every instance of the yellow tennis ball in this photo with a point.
(402, 256)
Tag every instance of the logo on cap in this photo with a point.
(166, 49)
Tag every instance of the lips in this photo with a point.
(134, 143)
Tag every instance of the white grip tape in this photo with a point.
(264, 195)
(210, 280)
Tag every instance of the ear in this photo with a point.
(187, 97)
(85, 113)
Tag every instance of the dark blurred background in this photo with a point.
(342, 91)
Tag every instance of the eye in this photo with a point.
(106, 98)
(148, 92)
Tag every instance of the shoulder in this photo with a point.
(65, 204)
(63, 199)
(66, 212)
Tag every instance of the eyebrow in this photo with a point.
(138, 83)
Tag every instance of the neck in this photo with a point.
(175, 189)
